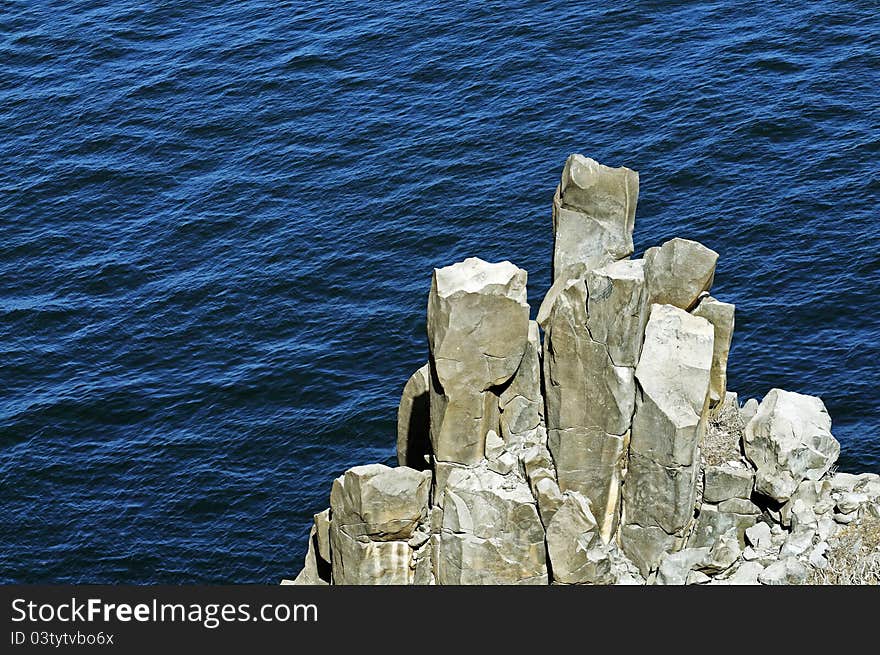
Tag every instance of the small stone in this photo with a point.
(697, 577)
(797, 543)
(845, 519)
(675, 567)
(850, 502)
(759, 535)
(786, 571)
(494, 445)
(504, 463)
(725, 481)
(747, 574)
(817, 556)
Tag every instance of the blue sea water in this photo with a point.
(219, 221)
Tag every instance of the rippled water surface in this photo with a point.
(219, 221)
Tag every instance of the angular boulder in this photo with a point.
(375, 510)
(789, 440)
(725, 481)
(593, 215)
(490, 531)
(478, 325)
(577, 553)
(678, 272)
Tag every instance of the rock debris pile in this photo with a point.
(583, 458)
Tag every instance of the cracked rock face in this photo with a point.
(668, 426)
(589, 402)
(721, 316)
(678, 272)
(375, 510)
(478, 326)
(578, 555)
(593, 215)
(789, 440)
(490, 532)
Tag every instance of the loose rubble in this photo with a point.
(598, 444)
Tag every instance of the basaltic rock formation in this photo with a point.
(607, 452)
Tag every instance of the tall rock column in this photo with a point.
(478, 327)
(592, 341)
(672, 405)
(594, 211)
(485, 411)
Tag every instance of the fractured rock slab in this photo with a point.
(490, 531)
(678, 272)
(593, 215)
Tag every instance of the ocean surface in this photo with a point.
(219, 221)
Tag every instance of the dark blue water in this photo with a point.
(219, 221)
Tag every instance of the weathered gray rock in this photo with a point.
(541, 475)
(360, 561)
(738, 506)
(414, 421)
(721, 316)
(374, 510)
(380, 502)
(593, 214)
(712, 524)
(322, 534)
(617, 309)
(749, 409)
(673, 374)
(678, 272)
(490, 531)
(759, 536)
(577, 553)
(747, 574)
(799, 541)
(789, 440)
(785, 571)
(726, 481)
(522, 403)
(478, 326)
(668, 426)
(675, 567)
(589, 403)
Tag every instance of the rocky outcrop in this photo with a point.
(608, 452)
